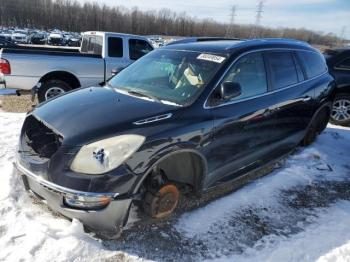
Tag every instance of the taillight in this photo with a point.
(5, 67)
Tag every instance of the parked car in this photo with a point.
(20, 37)
(184, 117)
(56, 39)
(74, 41)
(338, 61)
(7, 44)
(38, 39)
(53, 72)
(6, 35)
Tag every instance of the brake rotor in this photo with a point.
(164, 202)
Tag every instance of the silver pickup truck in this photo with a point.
(51, 72)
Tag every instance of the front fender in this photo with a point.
(168, 151)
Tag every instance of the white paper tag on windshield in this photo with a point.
(211, 58)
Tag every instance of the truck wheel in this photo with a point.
(341, 110)
(52, 88)
(162, 202)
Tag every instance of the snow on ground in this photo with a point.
(29, 232)
(299, 212)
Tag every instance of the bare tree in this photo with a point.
(71, 15)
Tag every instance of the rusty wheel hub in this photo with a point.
(165, 201)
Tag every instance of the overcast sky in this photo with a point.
(319, 15)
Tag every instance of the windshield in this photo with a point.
(168, 75)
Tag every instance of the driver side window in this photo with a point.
(249, 72)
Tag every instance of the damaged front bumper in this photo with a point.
(103, 213)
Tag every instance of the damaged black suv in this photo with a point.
(190, 115)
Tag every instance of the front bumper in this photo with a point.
(107, 222)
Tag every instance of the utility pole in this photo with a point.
(259, 12)
(230, 27)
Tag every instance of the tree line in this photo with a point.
(70, 15)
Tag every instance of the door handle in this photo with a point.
(270, 111)
(307, 98)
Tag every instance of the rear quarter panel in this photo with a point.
(27, 69)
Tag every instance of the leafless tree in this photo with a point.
(71, 15)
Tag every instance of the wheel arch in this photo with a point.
(194, 175)
(65, 76)
(326, 105)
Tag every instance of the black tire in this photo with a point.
(310, 135)
(319, 123)
(46, 91)
(323, 119)
(341, 120)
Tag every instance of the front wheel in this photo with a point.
(52, 88)
(341, 110)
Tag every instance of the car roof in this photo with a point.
(228, 46)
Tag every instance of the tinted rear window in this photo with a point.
(283, 70)
(115, 47)
(92, 45)
(138, 48)
(314, 63)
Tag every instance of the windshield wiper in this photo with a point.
(136, 93)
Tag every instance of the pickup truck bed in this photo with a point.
(52, 71)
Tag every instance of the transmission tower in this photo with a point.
(259, 12)
(342, 36)
(230, 28)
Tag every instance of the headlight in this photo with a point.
(105, 155)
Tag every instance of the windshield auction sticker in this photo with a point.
(211, 58)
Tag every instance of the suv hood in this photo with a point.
(93, 113)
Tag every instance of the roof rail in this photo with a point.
(201, 39)
(282, 40)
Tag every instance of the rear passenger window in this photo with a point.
(115, 47)
(313, 62)
(138, 48)
(283, 70)
(345, 64)
(92, 45)
(249, 71)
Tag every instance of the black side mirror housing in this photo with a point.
(229, 90)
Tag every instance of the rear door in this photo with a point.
(244, 125)
(293, 95)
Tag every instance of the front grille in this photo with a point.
(41, 139)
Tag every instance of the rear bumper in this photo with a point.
(107, 221)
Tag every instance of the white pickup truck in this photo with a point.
(50, 72)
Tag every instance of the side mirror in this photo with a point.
(229, 90)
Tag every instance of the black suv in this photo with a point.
(188, 116)
(338, 61)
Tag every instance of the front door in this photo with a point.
(244, 125)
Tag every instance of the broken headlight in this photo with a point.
(105, 155)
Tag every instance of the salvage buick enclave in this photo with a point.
(191, 116)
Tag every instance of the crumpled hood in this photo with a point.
(92, 113)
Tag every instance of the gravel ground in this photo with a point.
(16, 104)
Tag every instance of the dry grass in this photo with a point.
(16, 104)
